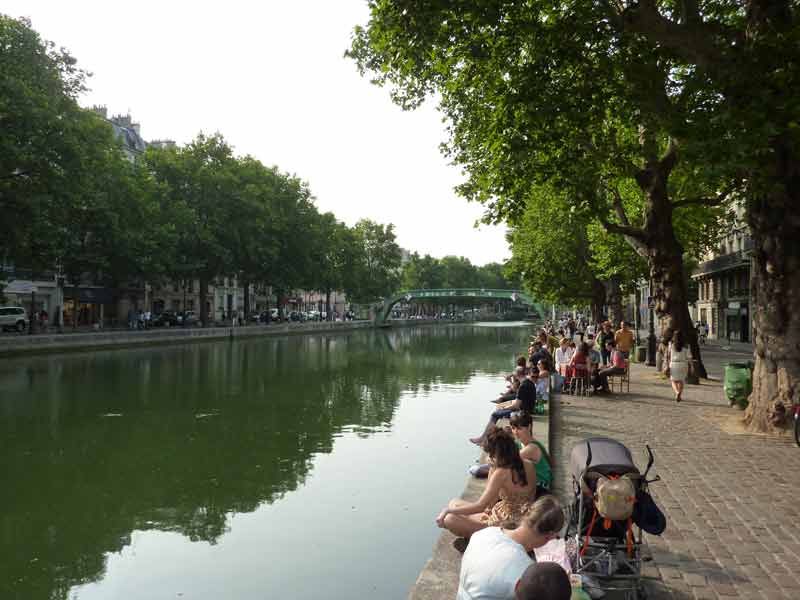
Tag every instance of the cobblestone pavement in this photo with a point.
(732, 501)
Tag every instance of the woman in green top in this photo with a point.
(533, 451)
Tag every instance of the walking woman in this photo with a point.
(679, 356)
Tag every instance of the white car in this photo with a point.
(13, 317)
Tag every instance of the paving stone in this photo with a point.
(728, 534)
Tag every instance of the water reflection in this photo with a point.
(97, 445)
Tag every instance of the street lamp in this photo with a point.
(651, 336)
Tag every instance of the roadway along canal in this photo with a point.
(297, 467)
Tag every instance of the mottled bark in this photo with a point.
(598, 299)
(774, 218)
(665, 257)
(614, 301)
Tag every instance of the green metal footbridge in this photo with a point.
(455, 295)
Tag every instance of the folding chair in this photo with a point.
(624, 379)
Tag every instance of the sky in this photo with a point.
(271, 76)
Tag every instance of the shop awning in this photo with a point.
(92, 295)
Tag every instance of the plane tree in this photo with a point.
(540, 93)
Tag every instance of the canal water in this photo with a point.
(296, 467)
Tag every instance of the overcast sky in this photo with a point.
(271, 77)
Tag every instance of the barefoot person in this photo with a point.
(508, 494)
(525, 402)
(496, 558)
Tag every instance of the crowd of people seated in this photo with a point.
(516, 512)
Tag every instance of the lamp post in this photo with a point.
(651, 335)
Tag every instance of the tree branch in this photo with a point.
(692, 40)
(716, 201)
(619, 208)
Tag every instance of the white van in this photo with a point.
(13, 317)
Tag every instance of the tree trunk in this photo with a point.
(665, 258)
(614, 301)
(246, 287)
(203, 300)
(774, 219)
(598, 299)
(669, 283)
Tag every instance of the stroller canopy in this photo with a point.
(608, 456)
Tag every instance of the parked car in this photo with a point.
(263, 317)
(13, 317)
(168, 318)
(188, 317)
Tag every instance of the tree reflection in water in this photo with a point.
(203, 431)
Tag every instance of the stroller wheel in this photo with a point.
(636, 594)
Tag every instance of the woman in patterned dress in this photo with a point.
(509, 491)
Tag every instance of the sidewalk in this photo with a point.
(731, 500)
(439, 577)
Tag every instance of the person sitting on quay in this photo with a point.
(623, 338)
(521, 362)
(497, 557)
(525, 402)
(510, 393)
(541, 352)
(508, 493)
(542, 380)
(521, 427)
(534, 451)
(544, 581)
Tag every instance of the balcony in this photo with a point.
(724, 263)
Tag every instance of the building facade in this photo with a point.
(723, 282)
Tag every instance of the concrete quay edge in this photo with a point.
(95, 340)
(69, 342)
(438, 579)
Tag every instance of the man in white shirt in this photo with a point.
(496, 558)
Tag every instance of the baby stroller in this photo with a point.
(611, 508)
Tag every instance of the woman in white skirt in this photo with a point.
(679, 356)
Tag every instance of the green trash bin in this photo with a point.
(738, 383)
(641, 354)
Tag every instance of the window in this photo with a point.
(190, 304)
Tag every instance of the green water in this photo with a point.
(297, 467)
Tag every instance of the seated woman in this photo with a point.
(543, 381)
(579, 360)
(618, 366)
(525, 401)
(508, 495)
(532, 450)
(563, 356)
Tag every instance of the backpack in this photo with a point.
(614, 498)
